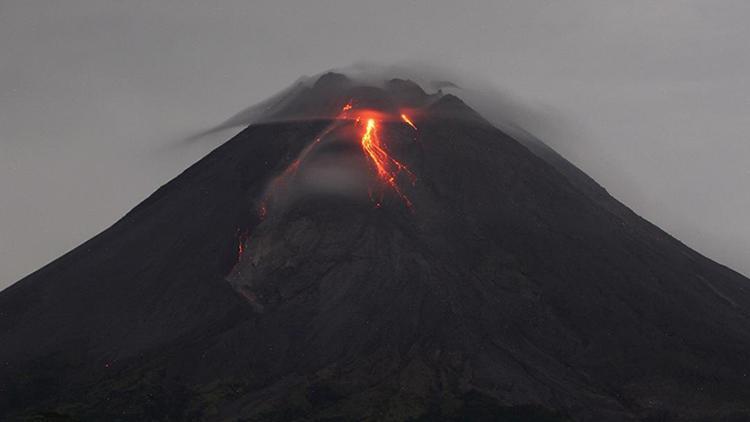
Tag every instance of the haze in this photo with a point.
(650, 98)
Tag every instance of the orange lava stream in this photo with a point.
(386, 166)
(408, 121)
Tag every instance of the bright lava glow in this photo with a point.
(387, 169)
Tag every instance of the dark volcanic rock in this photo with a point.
(515, 289)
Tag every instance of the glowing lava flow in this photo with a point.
(408, 121)
(389, 170)
(386, 166)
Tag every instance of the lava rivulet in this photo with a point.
(280, 181)
(408, 121)
(387, 167)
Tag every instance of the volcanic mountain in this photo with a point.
(375, 252)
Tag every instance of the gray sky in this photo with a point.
(651, 98)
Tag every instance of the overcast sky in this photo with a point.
(651, 98)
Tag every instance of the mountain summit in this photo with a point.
(375, 252)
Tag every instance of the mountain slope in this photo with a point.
(279, 278)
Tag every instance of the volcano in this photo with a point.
(377, 252)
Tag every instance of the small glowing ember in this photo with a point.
(242, 238)
(347, 107)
